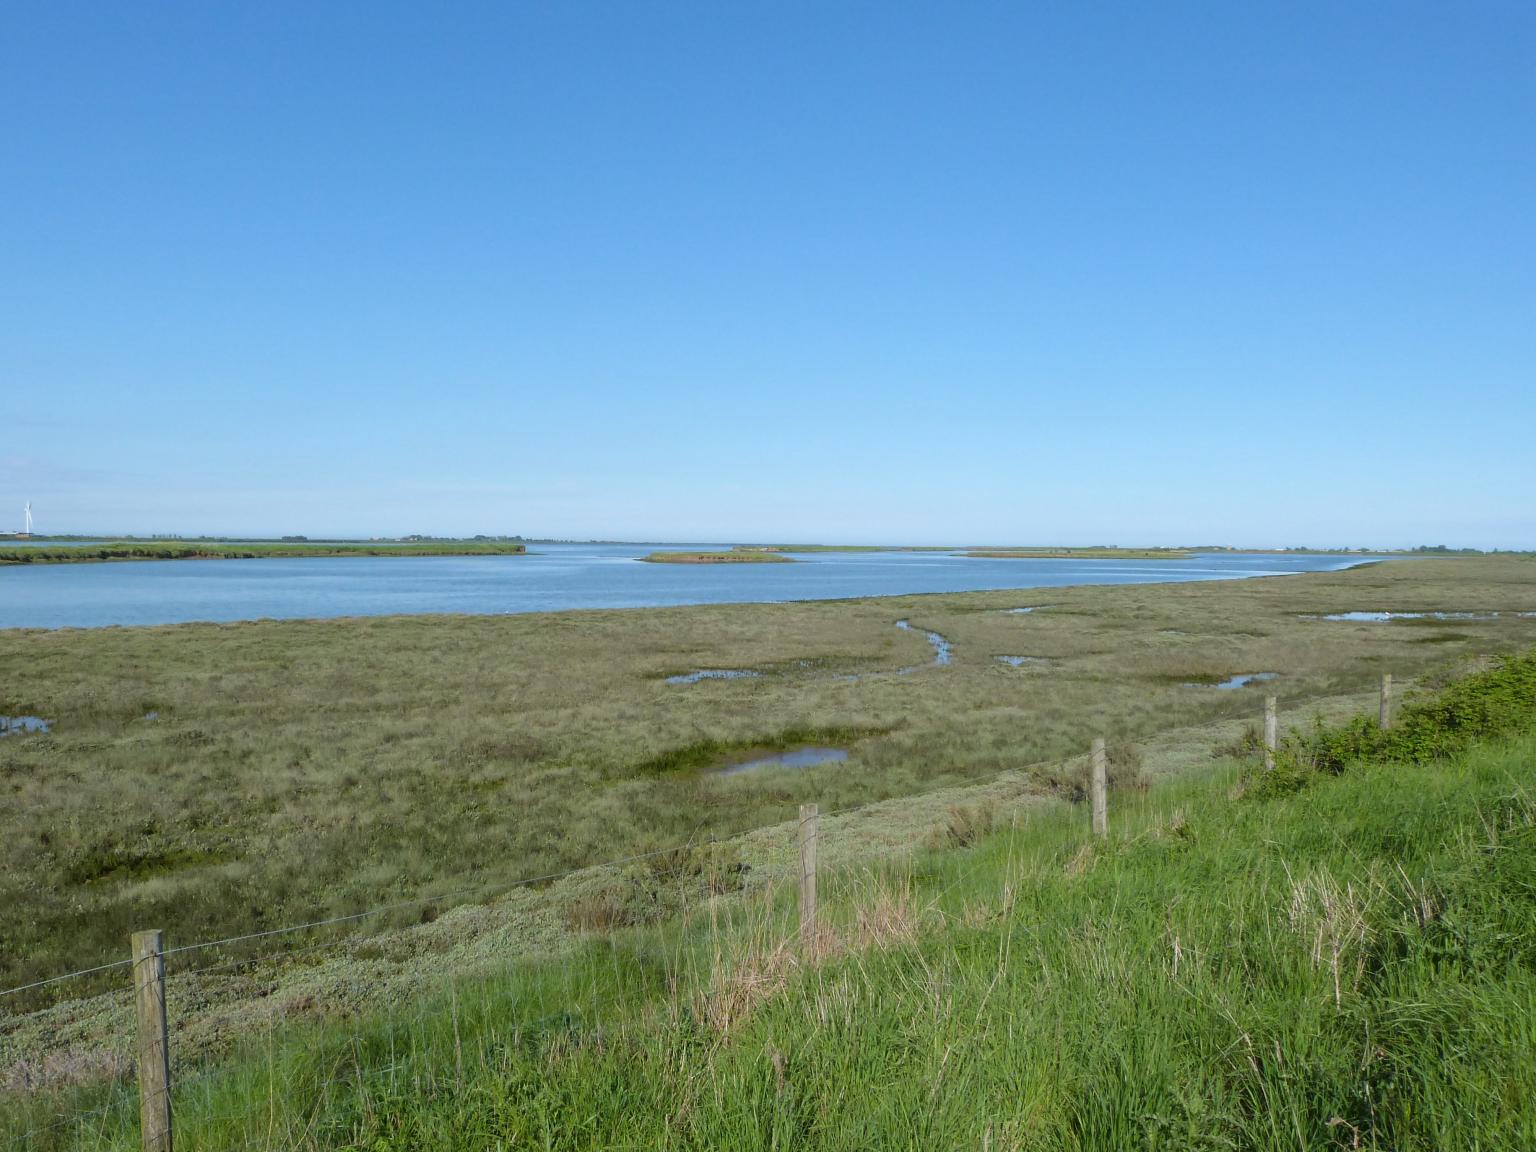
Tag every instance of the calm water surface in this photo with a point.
(808, 757)
(549, 578)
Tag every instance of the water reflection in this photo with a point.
(1238, 681)
(10, 724)
(806, 757)
(713, 674)
(1382, 617)
(939, 644)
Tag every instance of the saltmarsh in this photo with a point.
(1343, 963)
(218, 779)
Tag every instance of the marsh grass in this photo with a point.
(300, 770)
(717, 754)
(1352, 966)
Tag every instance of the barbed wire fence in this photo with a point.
(108, 1094)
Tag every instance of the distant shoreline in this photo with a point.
(77, 549)
(117, 551)
(1078, 554)
(734, 557)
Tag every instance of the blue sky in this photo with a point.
(943, 273)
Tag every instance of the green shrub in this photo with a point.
(1498, 701)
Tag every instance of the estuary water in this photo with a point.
(550, 577)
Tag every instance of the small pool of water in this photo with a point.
(941, 649)
(1383, 617)
(806, 757)
(1025, 611)
(713, 674)
(1238, 681)
(1021, 661)
(10, 724)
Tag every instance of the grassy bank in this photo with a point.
(1350, 964)
(245, 550)
(219, 779)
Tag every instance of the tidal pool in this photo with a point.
(807, 757)
(10, 724)
(713, 674)
(1383, 617)
(940, 645)
(1237, 681)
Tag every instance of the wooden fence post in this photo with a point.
(808, 836)
(1098, 788)
(1271, 731)
(1384, 718)
(154, 1042)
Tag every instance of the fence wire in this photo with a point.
(1240, 711)
(194, 1092)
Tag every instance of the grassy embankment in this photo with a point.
(1341, 955)
(245, 550)
(743, 556)
(218, 779)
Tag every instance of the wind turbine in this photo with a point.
(28, 511)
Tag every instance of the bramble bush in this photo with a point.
(1499, 701)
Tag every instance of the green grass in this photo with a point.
(246, 550)
(298, 770)
(1352, 965)
(1491, 703)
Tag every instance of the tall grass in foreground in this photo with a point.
(1348, 966)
